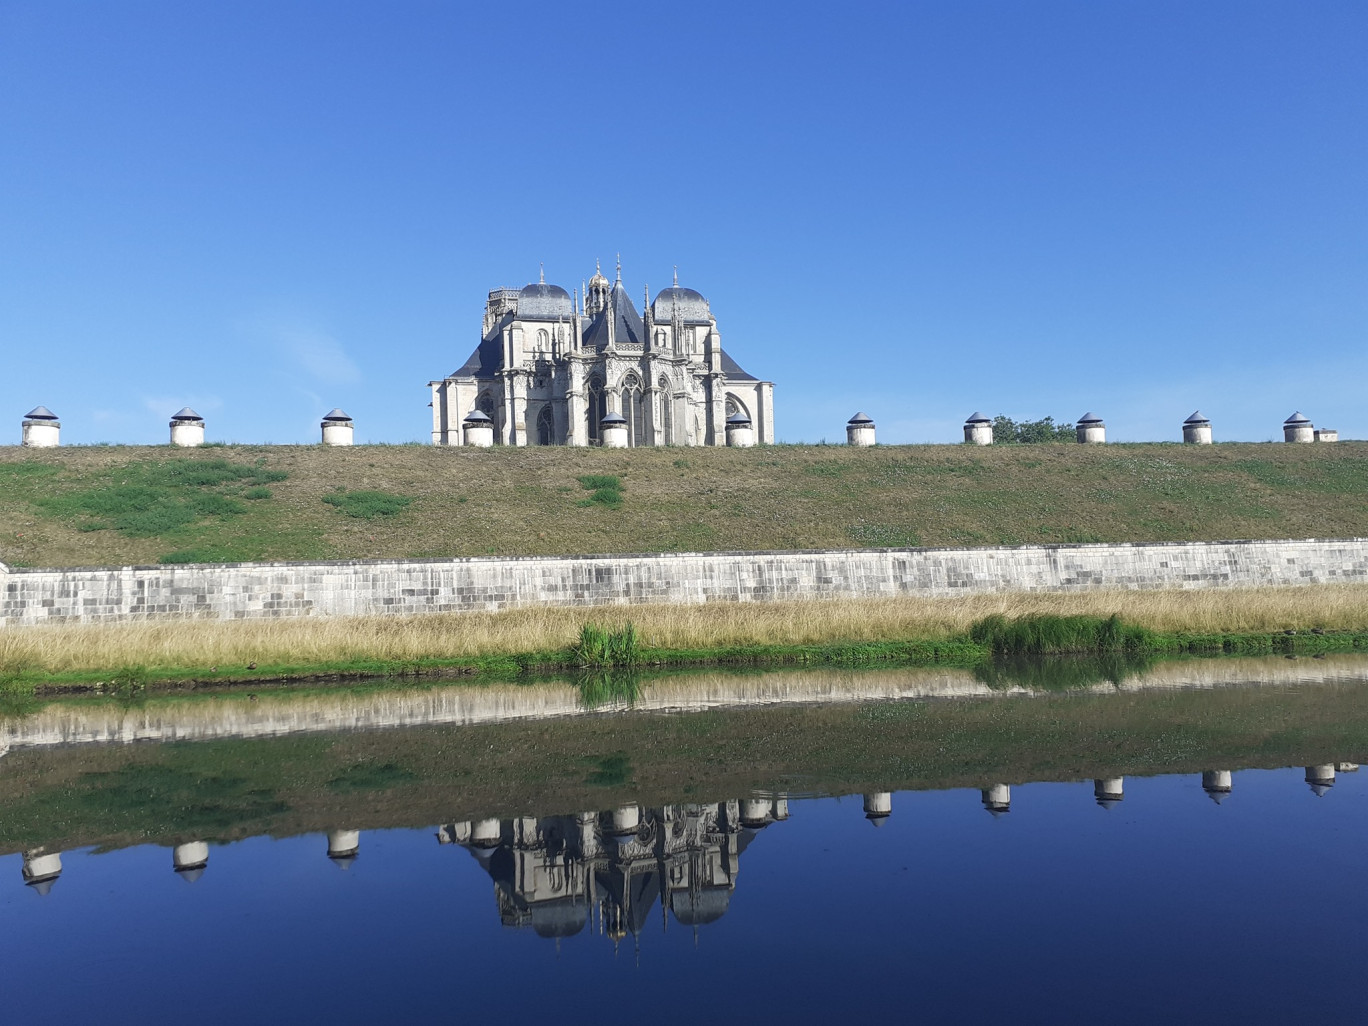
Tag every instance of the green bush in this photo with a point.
(601, 647)
(1011, 432)
(368, 505)
(1047, 634)
(605, 489)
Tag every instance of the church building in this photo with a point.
(549, 368)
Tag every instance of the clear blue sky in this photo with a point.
(267, 209)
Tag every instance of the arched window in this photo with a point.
(665, 411)
(596, 410)
(546, 430)
(543, 340)
(735, 406)
(632, 409)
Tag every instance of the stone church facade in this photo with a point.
(549, 368)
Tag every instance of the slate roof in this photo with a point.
(692, 307)
(629, 327)
(733, 370)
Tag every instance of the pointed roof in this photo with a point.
(978, 418)
(477, 417)
(40, 413)
(613, 418)
(1090, 418)
(337, 415)
(627, 328)
(1196, 418)
(1297, 418)
(739, 418)
(861, 418)
(186, 414)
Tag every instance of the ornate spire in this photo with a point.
(676, 281)
(619, 267)
(541, 275)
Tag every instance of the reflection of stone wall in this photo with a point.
(264, 590)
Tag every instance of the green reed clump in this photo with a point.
(604, 489)
(600, 687)
(1048, 634)
(598, 646)
(1062, 672)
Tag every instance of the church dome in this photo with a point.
(692, 307)
(542, 302)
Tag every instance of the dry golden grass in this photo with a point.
(233, 644)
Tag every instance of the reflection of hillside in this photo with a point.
(609, 870)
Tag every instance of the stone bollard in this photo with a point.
(755, 812)
(41, 869)
(1320, 779)
(1327, 435)
(626, 821)
(42, 429)
(1196, 429)
(343, 844)
(337, 429)
(1109, 791)
(781, 811)
(1091, 430)
(486, 833)
(860, 430)
(191, 855)
(878, 807)
(978, 430)
(1297, 428)
(613, 428)
(997, 799)
(479, 429)
(1216, 783)
(187, 429)
(740, 434)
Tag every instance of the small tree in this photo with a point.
(1027, 432)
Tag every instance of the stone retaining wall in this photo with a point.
(367, 587)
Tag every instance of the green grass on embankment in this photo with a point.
(117, 795)
(116, 505)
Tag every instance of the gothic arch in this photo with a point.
(595, 409)
(633, 408)
(546, 426)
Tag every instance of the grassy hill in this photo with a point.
(117, 505)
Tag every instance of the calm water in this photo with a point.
(1166, 906)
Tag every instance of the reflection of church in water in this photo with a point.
(608, 871)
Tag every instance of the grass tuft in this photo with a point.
(601, 647)
(368, 505)
(1050, 634)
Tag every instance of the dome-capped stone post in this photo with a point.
(998, 799)
(189, 859)
(1217, 784)
(1320, 779)
(626, 820)
(187, 429)
(756, 812)
(978, 430)
(1327, 435)
(479, 429)
(344, 845)
(42, 429)
(337, 429)
(613, 428)
(41, 869)
(878, 807)
(1091, 430)
(1109, 791)
(740, 434)
(486, 833)
(860, 430)
(781, 811)
(1196, 429)
(1297, 428)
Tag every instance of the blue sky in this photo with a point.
(267, 209)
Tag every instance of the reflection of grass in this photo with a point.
(599, 687)
(370, 776)
(200, 804)
(1059, 673)
(610, 770)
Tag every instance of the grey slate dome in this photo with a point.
(40, 413)
(337, 417)
(186, 414)
(1297, 418)
(739, 418)
(690, 305)
(477, 417)
(861, 418)
(1196, 418)
(978, 418)
(1090, 418)
(613, 418)
(697, 908)
(542, 302)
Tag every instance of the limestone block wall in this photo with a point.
(357, 587)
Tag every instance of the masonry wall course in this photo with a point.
(368, 587)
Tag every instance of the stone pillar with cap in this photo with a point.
(626, 820)
(41, 429)
(41, 869)
(878, 807)
(1320, 778)
(344, 844)
(740, 434)
(1217, 784)
(187, 429)
(1298, 428)
(978, 430)
(1196, 429)
(997, 799)
(613, 430)
(1109, 791)
(1091, 430)
(190, 855)
(486, 833)
(337, 428)
(479, 429)
(755, 812)
(860, 430)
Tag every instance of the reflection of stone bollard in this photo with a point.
(626, 820)
(486, 833)
(878, 807)
(860, 430)
(41, 429)
(1108, 792)
(1320, 779)
(337, 429)
(41, 870)
(1091, 430)
(1327, 435)
(1196, 429)
(978, 430)
(1346, 767)
(781, 811)
(189, 860)
(613, 428)
(187, 429)
(1216, 783)
(997, 799)
(343, 845)
(1298, 428)
(755, 812)
(479, 429)
(740, 434)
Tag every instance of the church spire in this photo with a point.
(541, 274)
(676, 281)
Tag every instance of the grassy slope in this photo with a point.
(126, 794)
(529, 501)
